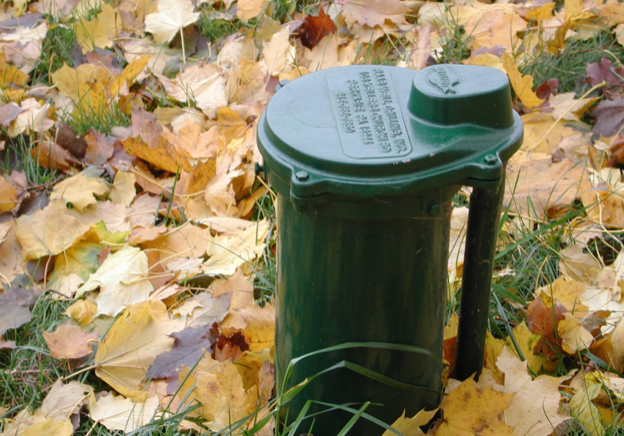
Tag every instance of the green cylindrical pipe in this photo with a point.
(481, 239)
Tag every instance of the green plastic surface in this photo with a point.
(374, 131)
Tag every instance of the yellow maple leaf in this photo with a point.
(223, 396)
(470, 411)
(172, 16)
(132, 70)
(534, 409)
(132, 344)
(98, 32)
(164, 156)
(48, 231)
(574, 337)
(80, 190)
(540, 13)
(411, 426)
(122, 279)
(522, 85)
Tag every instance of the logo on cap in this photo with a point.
(444, 79)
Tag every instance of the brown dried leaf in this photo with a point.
(69, 342)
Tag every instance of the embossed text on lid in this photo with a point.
(444, 79)
(369, 118)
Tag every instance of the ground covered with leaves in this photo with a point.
(137, 244)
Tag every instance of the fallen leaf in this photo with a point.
(127, 76)
(534, 409)
(82, 311)
(604, 71)
(374, 13)
(585, 412)
(165, 156)
(224, 399)
(122, 279)
(279, 54)
(48, 231)
(314, 28)
(98, 32)
(609, 116)
(172, 16)
(204, 309)
(8, 196)
(65, 400)
(188, 348)
(80, 190)
(50, 427)
(118, 413)
(470, 411)
(522, 85)
(203, 83)
(543, 320)
(580, 267)
(565, 107)
(12, 314)
(248, 9)
(123, 190)
(132, 344)
(69, 342)
(574, 337)
(534, 187)
(411, 426)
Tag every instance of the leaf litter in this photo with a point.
(148, 231)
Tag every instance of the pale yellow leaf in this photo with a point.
(279, 54)
(582, 408)
(228, 252)
(48, 231)
(248, 9)
(122, 279)
(172, 16)
(65, 400)
(373, 13)
(49, 427)
(80, 190)
(534, 409)
(574, 337)
(118, 413)
(123, 190)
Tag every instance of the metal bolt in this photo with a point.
(490, 159)
(302, 176)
